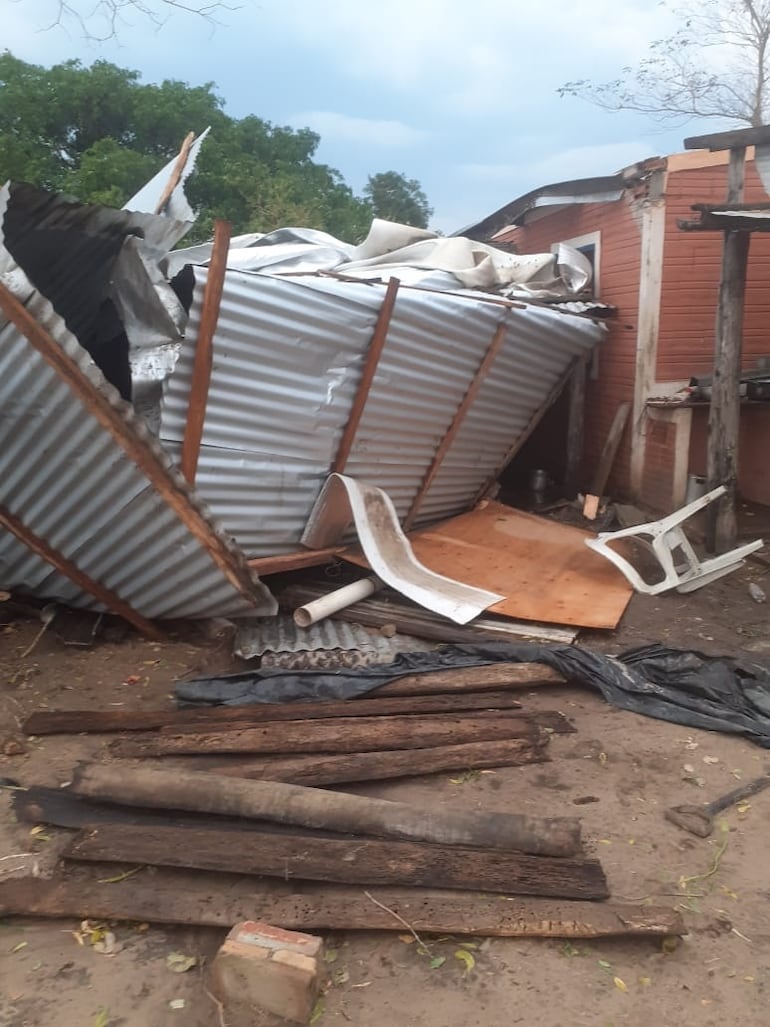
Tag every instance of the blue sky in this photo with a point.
(459, 95)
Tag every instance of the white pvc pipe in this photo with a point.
(308, 614)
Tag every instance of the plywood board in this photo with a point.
(543, 568)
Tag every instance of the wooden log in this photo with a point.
(319, 770)
(333, 811)
(550, 719)
(359, 734)
(343, 861)
(51, 722)
(490, 677)
(212, 900)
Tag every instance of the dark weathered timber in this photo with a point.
(49, 722)
(332, 811)
(550, 719)
(359, 734)
(215, 900)
(355, 861)
(318, 770)
(737, 137)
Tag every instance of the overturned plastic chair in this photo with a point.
(665, 539)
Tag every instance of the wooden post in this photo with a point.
(575, 428)
(467, 401)
(201, 376)
(176, 173)
(373, 355)
(725, 409)
(41, 548)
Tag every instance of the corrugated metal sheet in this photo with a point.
(71, 483)
(287, 360)
(280, 635)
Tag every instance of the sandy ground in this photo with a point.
(635, 767)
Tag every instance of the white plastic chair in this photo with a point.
(664, 538)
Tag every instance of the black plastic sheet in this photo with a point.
(678, 685)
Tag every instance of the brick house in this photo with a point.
(664, 283)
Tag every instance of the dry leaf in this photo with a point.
(102, 1018)
(604, 964)
(341, 976)
(466, 958)
(176, 1003)
(19, 947)
(711, 760)
(107, 944)
(743, 806)
(330, 955)
(749, 979)
(318, 1011)
(179, 963)
(620, 984)
(645, 982)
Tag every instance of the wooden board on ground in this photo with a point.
(357, 734)
(543, 568)
(344, 861)
(219, 900)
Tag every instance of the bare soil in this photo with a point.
(631, 767)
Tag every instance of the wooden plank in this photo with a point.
(204, 351)
(606, 462)
(70, 570)
(212, 900)
(176, 173)
(575, 427)
(725, 407)
(294, 561)
(175, 496)
(330, 811)
(738, 137)
(52, 722)
(543, 568)
(368, 372)
(473, 679)
(343, 861)
(319, 770)
(456, 423)
(359, 734)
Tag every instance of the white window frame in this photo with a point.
(589, 239)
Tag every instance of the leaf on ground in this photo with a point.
(466, 958)
(330, 955)
(102, 1018)
(743, 807)
(468, 945)
(318, 1011)
(407, 939)
(108, 944)
(19, 947)
(669, 945)
(570, 950)
(620, 984)
(180, 962)
(604, 964)
(437, 961)
(176, 1003)
(645, 982)
(341, 976)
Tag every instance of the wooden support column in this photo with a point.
(373, 355)
(575, 428)
(113, 602)
(176, 173)
(467, 401)
(725, 409)
(204, 351)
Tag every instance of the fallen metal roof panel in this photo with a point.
(71, 482)
(288, 355)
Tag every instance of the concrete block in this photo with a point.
(265, 967)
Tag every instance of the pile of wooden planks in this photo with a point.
(253, 830)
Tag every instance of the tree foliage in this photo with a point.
(396, 198)
(98, 133)
(715, 65)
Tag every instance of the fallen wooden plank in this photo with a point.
(343, 861)
(551, 720)
(318, 770)
(359, 734)
(48, 722)
(213, 900)
(610, 450)
(332, 811)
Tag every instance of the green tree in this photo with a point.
(99, 133)
(395, 197)
(715, 65)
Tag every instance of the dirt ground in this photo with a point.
(634, 768)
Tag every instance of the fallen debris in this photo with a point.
(333, 811)
(182, 897)
(699, 820)
(355, 861)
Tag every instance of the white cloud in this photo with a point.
(368, 131)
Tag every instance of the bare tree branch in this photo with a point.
(103, 19)
(716, 65)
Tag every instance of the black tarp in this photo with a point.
(683, 686)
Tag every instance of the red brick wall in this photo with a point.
(620, 261)
(754, 450)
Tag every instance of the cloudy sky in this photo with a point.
(460, 95)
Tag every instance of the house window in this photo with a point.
(590, 246)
